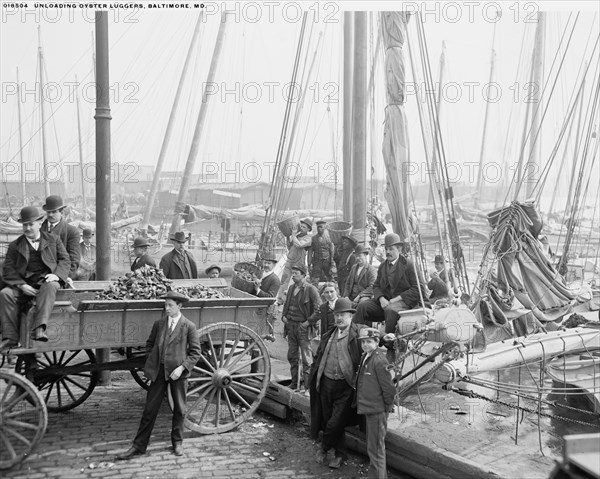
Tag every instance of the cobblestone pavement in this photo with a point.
(83, 442)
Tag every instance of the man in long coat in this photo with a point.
(332, 382)
(36, 266)
(179, 263)
(69, 235)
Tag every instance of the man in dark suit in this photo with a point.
(87, 261)
(172, 351)
(142, 258)
(69, 235)
(345, 258)
(268, 285)
(36, 266)
(332, 380)
(359, 284)
(396, 288)
(179, 263)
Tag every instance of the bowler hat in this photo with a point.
(438, 259)
(211, 267)
(343, 305)
(53, 203)
(392, 239)
(179, 236)
(361, 249)
(29, 214)
(270, 256)
(350, 238)
(366, 333)
(175, 296)
(87, 233)
(300, 267)
(321, 222)
(307, 222)
(140, 242)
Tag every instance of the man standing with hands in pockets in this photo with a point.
(173, 349)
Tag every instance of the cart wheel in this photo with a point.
(63, 377)
(230, 379)
(23, 418)
(138, 374)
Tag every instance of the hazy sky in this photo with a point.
(246, 109)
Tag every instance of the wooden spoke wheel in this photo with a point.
(23, 418)
(229, 381)
(64, 378)
(138, 374)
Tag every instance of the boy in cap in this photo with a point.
(375, 395)
(68, 234)
(173, 349)
(140, 250)
(213, 271)
(36, 266)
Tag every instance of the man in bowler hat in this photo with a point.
(396, 288)
(172, 349)
(87, 261)
(142, 258)
(179, 263)
(69, 235)
(36, 266)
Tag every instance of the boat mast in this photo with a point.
(191, 161)
(43, 114)
(477, 198)
(434, 160)
(359, 123)
(23, 193)
(347, 111)
(171, 122)
(532, 165)
(83, 202)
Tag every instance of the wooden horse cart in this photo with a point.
(226, 387)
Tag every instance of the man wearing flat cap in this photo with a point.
(87, 260)
(179, 263)
(396, 288)
(362, 276)
(300, 304)
(332, 380)
(69, 235)
(344, 259)
(298, 245)
(321, 266)
(173, 349)
(36, 266)
(142, 257)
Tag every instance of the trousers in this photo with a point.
(298, 346)
(336, 402)
(376, 430)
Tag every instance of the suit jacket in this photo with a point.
(54, 255)
(172, 270)
(69, 235)
(344, 260)
(324, 314)
(87, 263)
(183, 348)
(269, 286)
(317, 422)
(309, 300)
(374, 388)
(403, 282)
(142, 261)
(365, 281)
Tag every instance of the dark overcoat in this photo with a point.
(142, 261)
(269, 286)
(172, 269)
(365, 281)
(403, 282)
(70, 237)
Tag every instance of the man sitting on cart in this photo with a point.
(36, 266)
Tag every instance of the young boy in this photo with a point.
(374, 398)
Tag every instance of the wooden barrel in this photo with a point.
(289, 225)
(337, 229)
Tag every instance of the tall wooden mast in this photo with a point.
(43, 114)
(347, 111)
(23, 192)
